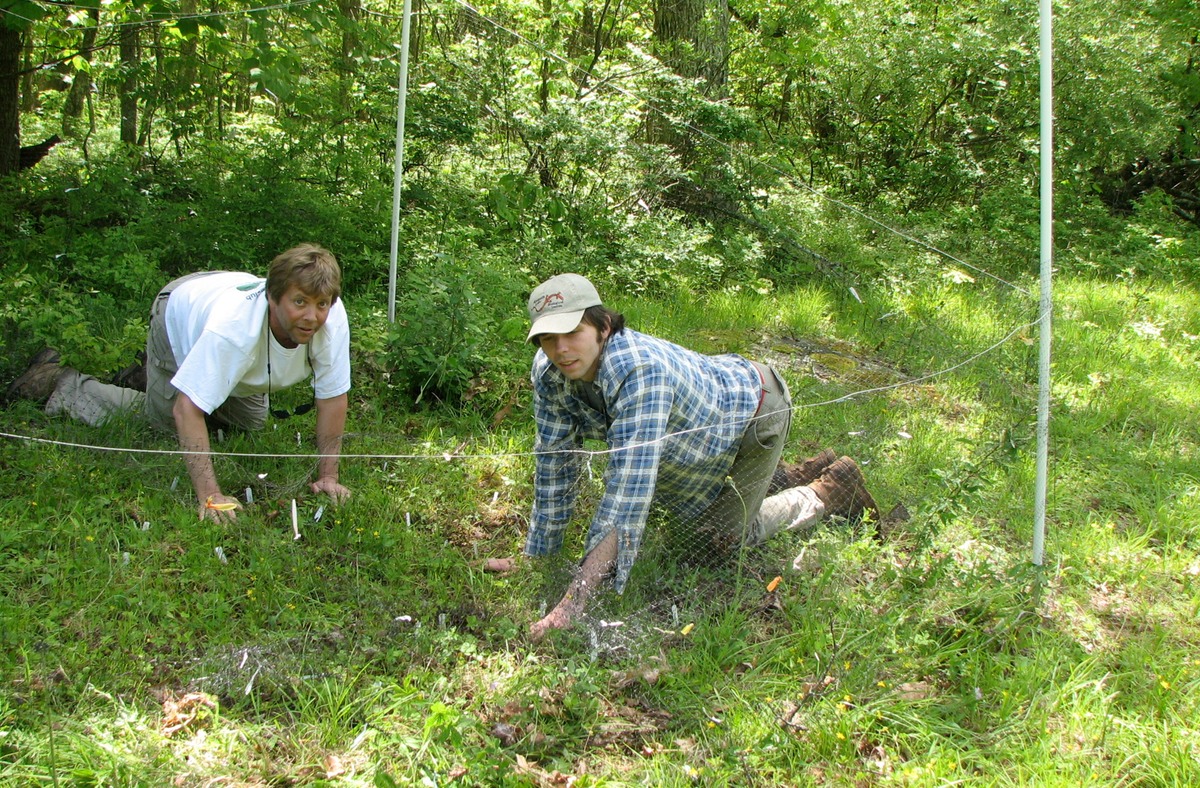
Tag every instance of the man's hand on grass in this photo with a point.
(219, 508)
(562, 616)
(332, 488)
(501, 566)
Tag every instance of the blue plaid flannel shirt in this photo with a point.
(673, 422)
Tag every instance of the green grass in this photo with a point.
(374, 652)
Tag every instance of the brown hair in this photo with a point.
(603, 318)
(310, 267)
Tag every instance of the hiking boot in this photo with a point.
(801, 473)
(38, 381)
(134, 375)
(844, 491)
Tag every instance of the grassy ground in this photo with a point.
(141, 647)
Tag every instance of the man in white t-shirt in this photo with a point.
(211, 361)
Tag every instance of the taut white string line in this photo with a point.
(455, 455)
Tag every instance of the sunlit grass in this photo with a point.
(374, 649)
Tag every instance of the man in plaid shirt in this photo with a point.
(700, 434)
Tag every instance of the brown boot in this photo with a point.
(134, 375)
(38, 381)
(844, 491)
(801, 473)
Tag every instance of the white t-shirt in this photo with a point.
(217, 326)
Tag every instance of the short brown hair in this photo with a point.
(310, 267)
(604, 319)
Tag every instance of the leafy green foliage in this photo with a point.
(457, 331)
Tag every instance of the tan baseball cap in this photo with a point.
(556, 306)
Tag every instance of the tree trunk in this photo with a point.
(691, 37)
(416, 35)
(152, 89)
(712, 50)
(676, 28)
(128, 37)
(185, 78)
(81, 85)
(29, 92)
(347, 71)
(240, 79)
(10, 82)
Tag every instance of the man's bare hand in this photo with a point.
(560, 617)
(219, 508)
(332, 488)
(500, 566)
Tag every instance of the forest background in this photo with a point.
(858, 180)
(652, 145)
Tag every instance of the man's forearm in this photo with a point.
(191, 425)
(596, 567)
(331, 426)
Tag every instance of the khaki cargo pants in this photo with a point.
(86, 399)
(742, 515)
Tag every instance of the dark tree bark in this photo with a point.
(128, 38)
(185, 78)
(712, 46)
(10, 97)
(81, 85)
(29, 92)
(692, 38)
(676, 25)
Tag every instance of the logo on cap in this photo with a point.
(548, 301)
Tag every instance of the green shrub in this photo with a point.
(458, 328)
